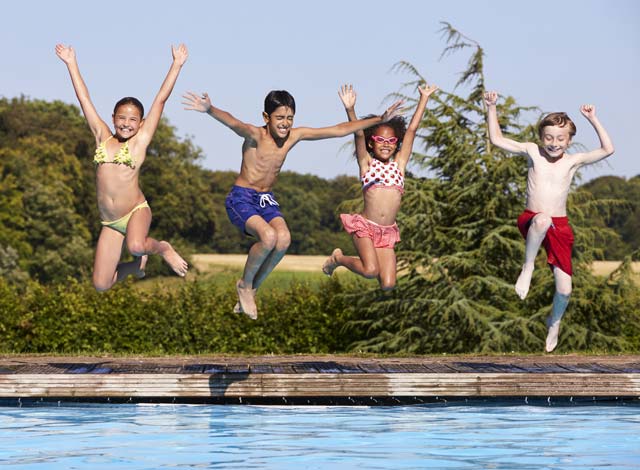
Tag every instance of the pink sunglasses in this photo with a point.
(381, 140)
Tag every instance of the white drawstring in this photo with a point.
(267, 198)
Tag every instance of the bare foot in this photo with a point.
(246, 300)
(173, 259)
(237, 308)
(331, 263)
(524, 280)
(143, 263)
(552, 334)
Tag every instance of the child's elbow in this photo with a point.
(609, 150)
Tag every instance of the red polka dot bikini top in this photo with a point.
(383, 175)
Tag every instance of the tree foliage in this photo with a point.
(619, 211)
(462, 252)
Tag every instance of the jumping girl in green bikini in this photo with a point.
(125, 214)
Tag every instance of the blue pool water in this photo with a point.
(247, 437)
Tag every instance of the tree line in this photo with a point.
(49, 221)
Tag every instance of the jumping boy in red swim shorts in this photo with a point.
(251, 205)
(544, 220)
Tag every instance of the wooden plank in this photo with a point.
(274, 385)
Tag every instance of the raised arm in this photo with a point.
(150, 123)
(606, 146)
(348, 97)
(98, 127)
(202, 104)
(346, 128)
(495, 133)
(407, 143)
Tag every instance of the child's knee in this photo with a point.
(541, 222)
(269, 238)
(370, 271)
(136, 247)
(284, 240)
(564, 291)
(101, 284)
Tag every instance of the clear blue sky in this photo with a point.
(553, 54)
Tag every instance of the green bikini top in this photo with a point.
(122, 156)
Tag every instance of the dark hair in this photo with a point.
(277, 98)
(398, 124)
(557, 119)
(130, 100)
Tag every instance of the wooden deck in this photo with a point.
(318, 379)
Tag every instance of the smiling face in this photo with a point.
(381, 143)
(279, 122)
(555, 140)
(126, 121)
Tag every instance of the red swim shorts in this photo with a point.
(558, 241)
(383, 236)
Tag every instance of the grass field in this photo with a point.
(301, 268)
(302, 263)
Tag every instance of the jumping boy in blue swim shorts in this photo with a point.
(251, 205)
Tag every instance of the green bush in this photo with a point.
(196, 317)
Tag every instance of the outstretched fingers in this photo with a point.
(66, 53)
(392, 111)
(348, 96)
(195, 102)
(180, 54)
(427, 90)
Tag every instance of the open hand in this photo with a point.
(588, 111)
(348, 96)
(490, 98)
(195, 102)
(66, 53)
(392, 111)
(427, 90)
(180, 54)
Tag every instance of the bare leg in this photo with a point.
(365, 264)
(274, 239)
(139, 243)
(560, 302)
(537, 231)
(283, 240)
(388, 268)
(105, 264)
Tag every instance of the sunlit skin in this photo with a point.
(117, 185)
(118, 190)
(551, 170)
(381, 205)
(264, 150)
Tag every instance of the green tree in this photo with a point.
(619, 210)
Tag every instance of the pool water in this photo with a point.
(85, 436)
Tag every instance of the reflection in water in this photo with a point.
(200, 436)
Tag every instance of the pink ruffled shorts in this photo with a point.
(383, 236)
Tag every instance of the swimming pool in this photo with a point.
(81, 436)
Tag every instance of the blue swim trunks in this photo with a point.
(242, 203)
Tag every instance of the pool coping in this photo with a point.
(319, 379)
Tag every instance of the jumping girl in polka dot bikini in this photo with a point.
(383, 152)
